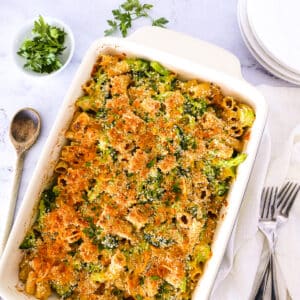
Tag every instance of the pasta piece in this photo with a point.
(235, 130)
(216, 95)
(30, 286)
(228, 103)
(88, 87)
(119, 84)
(184, 220)
(220, 148)
(202, 193)
(151, 286)
(43, 290)
(119, 68)
(139, 216)
(118, 262)
(61, 167)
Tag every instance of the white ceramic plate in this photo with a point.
(44, 170)
(276, 26)
(260, 55)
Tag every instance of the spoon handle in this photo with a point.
(12, 201)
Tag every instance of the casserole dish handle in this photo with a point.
(181, 45)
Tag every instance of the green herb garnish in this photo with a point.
(42, 51)
(128, 12)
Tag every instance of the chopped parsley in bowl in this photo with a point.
(43, 47)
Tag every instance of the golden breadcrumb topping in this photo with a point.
(138, 189)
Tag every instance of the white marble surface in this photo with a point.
(214, 21)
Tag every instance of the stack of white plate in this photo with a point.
(271, 31)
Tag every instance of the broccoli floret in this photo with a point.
(110, 242)
(93, 231)
(106, 151)
(113, 154)
(98, 277)
(159, 68)
(194, 107)
(211, 172)
(138, 65)
(84, 103)
(151, 163)
(92, 267)
(176, 188)
(29, 241)
(63, 290)
(221, 188)
(151, 189)
(118, 293)
(56, 190)
(164, 292)
(157, 240)
(247, 115)
(232, 162)
(183, 285)
(186, 141)
(101, 113)
(102, 86)
(202, 253)
(47, 203)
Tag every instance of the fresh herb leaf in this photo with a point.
(113, 29)
(128, 12)
(161, 22)
(43, 50)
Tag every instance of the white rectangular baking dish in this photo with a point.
(44, 170)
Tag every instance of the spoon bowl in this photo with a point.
(24, 129)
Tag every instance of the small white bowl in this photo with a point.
(25, 33)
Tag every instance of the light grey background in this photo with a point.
(214, 21)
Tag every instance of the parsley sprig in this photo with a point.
(43, 50)
(128, 12)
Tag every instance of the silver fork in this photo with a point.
(282, 205)
(267, 225)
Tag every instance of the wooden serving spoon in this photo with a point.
(24, 131)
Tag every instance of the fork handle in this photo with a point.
(268, 288)
(263, 283)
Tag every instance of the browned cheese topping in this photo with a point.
(132, 211)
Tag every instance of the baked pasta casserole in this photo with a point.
(139, 187)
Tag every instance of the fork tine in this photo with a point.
(287, 198)
(284, 189)
(263, 201)
(284, 193)
(273, 203)
(268, 198)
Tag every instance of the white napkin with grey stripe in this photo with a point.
(241, 261)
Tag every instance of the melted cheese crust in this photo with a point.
(139, 187)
